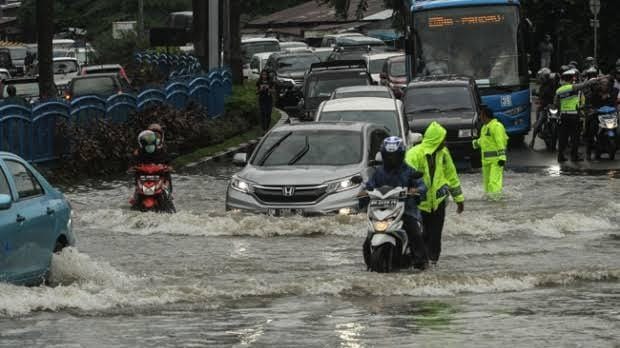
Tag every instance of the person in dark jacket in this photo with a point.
(546, 95)
(264, 89)
(396, 173)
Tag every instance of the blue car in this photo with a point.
(35, 222)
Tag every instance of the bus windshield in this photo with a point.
(480, 41)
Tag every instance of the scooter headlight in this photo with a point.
(381, 226)
(240, 185)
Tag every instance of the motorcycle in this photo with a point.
(152, 189)
(387, 246)
(606, 139)
(549, 131)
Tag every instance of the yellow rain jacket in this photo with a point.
(445, 180)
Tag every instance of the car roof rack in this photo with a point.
(339, 64)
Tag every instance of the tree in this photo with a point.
(45, 31)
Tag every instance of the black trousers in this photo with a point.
(433, 228)
(266, 105)
(569, 131)
(416, 240)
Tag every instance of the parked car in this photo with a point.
(285, 45)
(323, 78)
(18, 57)
(27, 88)
(288, 70)
(106, 69)
(6, 62)
(329, 40)
(84, 55)
(103, 85)
(257, 64)
(4, 74)
(454, 102)
(362, 91)
(35, 222)
(306, 168)
(376, 61)
(394, 75)
(381, 111)
(65, 69)
(249, 47)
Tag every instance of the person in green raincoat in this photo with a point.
(432, 158)
(492, 144)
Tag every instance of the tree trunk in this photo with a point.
(236, 61)
(45, 31)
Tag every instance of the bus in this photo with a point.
(483, 39)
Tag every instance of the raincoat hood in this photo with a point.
(433, 137)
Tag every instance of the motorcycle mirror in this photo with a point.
(414, 138)
(357, 180)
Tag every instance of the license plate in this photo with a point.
(282, 212)
(387, 203)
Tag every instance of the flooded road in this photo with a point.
(539, 269)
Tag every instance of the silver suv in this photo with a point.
(306, 169)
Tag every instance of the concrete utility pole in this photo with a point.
(595, 8)
(140, 19)
(214, 34)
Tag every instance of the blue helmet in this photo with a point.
(393, 152)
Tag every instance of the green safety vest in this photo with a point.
(569, 99)
(445, 182)
(492, 142)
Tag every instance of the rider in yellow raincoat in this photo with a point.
(492, 144)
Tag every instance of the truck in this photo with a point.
(484, 39)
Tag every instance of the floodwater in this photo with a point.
(538, 269)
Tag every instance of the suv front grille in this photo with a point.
(290, 194)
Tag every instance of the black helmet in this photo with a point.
(393, 152)
(564, 68)
(591, 72)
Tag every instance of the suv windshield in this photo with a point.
(386, 118)
(99, 85)
(398, 69)
(376, 65)
(249, 49)
(310, 148)
(65, 67)
(324, 85)
(440, 98)
(296, 63)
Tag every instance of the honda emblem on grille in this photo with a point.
(288, 191)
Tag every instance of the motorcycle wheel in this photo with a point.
(612, 150)
(381, 259)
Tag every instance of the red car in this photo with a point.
(394, 75)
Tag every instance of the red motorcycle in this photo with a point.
(153, 189)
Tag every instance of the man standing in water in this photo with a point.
(492, 144)
(432, 158)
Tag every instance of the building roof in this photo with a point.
(313, 12)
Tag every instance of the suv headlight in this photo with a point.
(341, 185)
(240, 185)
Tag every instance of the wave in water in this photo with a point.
(94, 286)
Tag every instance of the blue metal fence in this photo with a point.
(32, 133)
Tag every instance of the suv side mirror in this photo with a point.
(240, 159)
(5, 202)
(414, 138)
(378, 160)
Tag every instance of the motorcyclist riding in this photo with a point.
(396, 173)
(151, 151)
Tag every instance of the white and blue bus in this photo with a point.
(483, 39)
